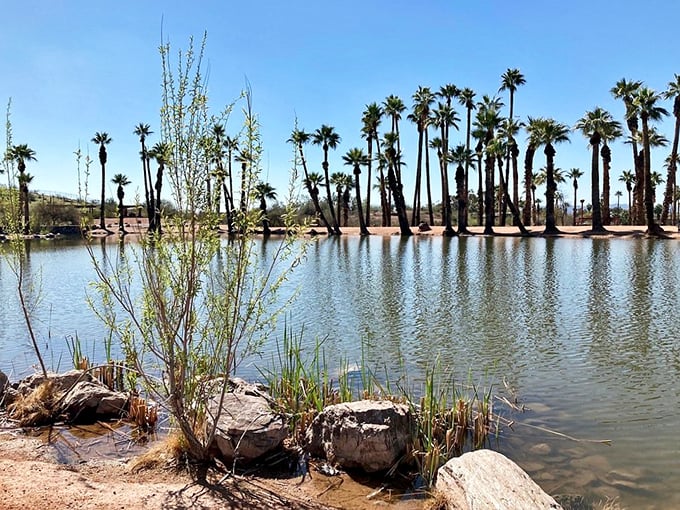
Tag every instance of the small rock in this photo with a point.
(424, 227)
(540, 449)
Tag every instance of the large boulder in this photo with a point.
(488, 479)
(370, 435)
(91, 400)
(247, 427)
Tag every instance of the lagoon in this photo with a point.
(584, 332)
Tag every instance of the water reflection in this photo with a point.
(584, 329)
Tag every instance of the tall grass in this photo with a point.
(448, 417)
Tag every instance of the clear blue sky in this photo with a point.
(73, 68)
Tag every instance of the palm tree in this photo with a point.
(444, 117)
(231, 146)
(327, 138)
(618, 194)
(21, 154)
(645, 102)
(488, 120)
(626, 90)
(393, 107)
(611, 130)
(338, 180)
(122, 181)
(628, 178)
(594, 124)
(672, 92)
(103, 139)
(422, 100)
(551, 133)
(371, 120)
(264, 192)
(357, 158)
(533, 128)
(393, 163)
(463, 158)
(466, 98)
(142, 131)
(574, 174)
(509, 129)
(161, 153)
(510, 80)
(299, 137)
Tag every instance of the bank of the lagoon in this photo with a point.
(582, 329)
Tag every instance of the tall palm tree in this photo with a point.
(628, 178)
(533, 129)
(121, 181)
(338, 180)
(510, 80)
(263, 192)
(356, 158)
(551, 133)
(508, 131)
(645, 101)
(393, 107)
(618, 194)
(574, 174)
(672, 92)
(445, 117)
(479, 135)
(327, 138)
(466, 98)
(102, 139)
(299, 138)
(142, 131)
(592, 125)
(21, 154)
(423, 99)
(488, 120)
(371, 120)
(161, 153)
(626, 90)
(611, 130)
(393, 162)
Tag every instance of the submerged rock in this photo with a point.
(368, 434)
(4, 383)
(247, 427)
(488, 479)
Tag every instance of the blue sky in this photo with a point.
(73, 68)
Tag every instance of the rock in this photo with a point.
(424, 227)
(247, 427)
(62, 382)
(368, 434)
(487, 479)
(89, 401)
(4, 382)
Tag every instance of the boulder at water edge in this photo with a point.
(368, 434)
(247, 427)
(488, 479)
(91, 400)
(4, 382)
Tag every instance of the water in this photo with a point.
(583, 330)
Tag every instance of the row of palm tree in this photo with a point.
(497, 148)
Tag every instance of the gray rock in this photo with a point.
(488, 479)
(368, 434)
(62, 382)
(4, 382)
(88, 401)
(247, 427)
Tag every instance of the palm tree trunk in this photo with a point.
(367, 219)
(606, 154)
(652, 228)
(362, 224)
(314, 196)
(430, 210)
(528, 177)
(669, 195)
(488, 195)
(595, 182)
(550, 226)
(415, 217)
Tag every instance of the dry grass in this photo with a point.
(170, 452)
(36, 408)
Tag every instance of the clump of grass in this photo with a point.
(171, 452)
(37, 407)
(448, 417)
